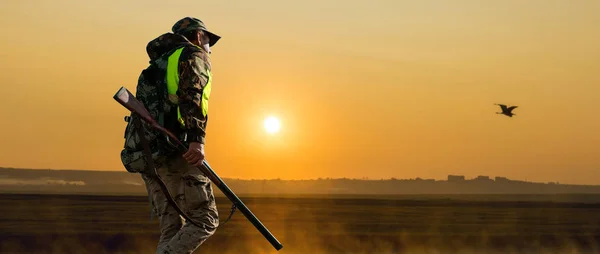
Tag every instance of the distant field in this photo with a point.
(404, 224)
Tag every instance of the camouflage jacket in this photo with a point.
(194, 64)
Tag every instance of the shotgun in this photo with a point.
(128, 100)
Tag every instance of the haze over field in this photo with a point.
(73, 223)
(374, 89)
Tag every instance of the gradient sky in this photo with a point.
(373, 89)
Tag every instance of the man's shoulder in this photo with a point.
(194, 53)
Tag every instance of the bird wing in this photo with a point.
(502, 106)
(513, 107)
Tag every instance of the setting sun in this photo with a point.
(272, 125)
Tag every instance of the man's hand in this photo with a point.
(195, 154)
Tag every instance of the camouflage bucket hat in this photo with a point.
(189, 24)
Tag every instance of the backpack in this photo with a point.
(152, 92)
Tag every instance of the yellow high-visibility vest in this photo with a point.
(173, 84)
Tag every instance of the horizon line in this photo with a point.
(464, 178)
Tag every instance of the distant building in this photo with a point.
(483, 178)
(455, 178)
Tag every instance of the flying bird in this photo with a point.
(506, 110)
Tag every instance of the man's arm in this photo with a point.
(193, 77)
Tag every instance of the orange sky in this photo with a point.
(380, 89)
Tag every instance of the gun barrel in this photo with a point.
(244, 209)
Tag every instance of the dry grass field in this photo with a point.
(121, 224)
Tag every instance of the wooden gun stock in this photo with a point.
(128, 100)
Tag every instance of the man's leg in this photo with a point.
(195, 197)
(168, 218)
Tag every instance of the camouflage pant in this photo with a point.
(192, 191)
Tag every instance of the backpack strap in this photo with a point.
(153, 172)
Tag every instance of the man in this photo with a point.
(175, 89)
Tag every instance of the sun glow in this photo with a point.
(272, 125)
